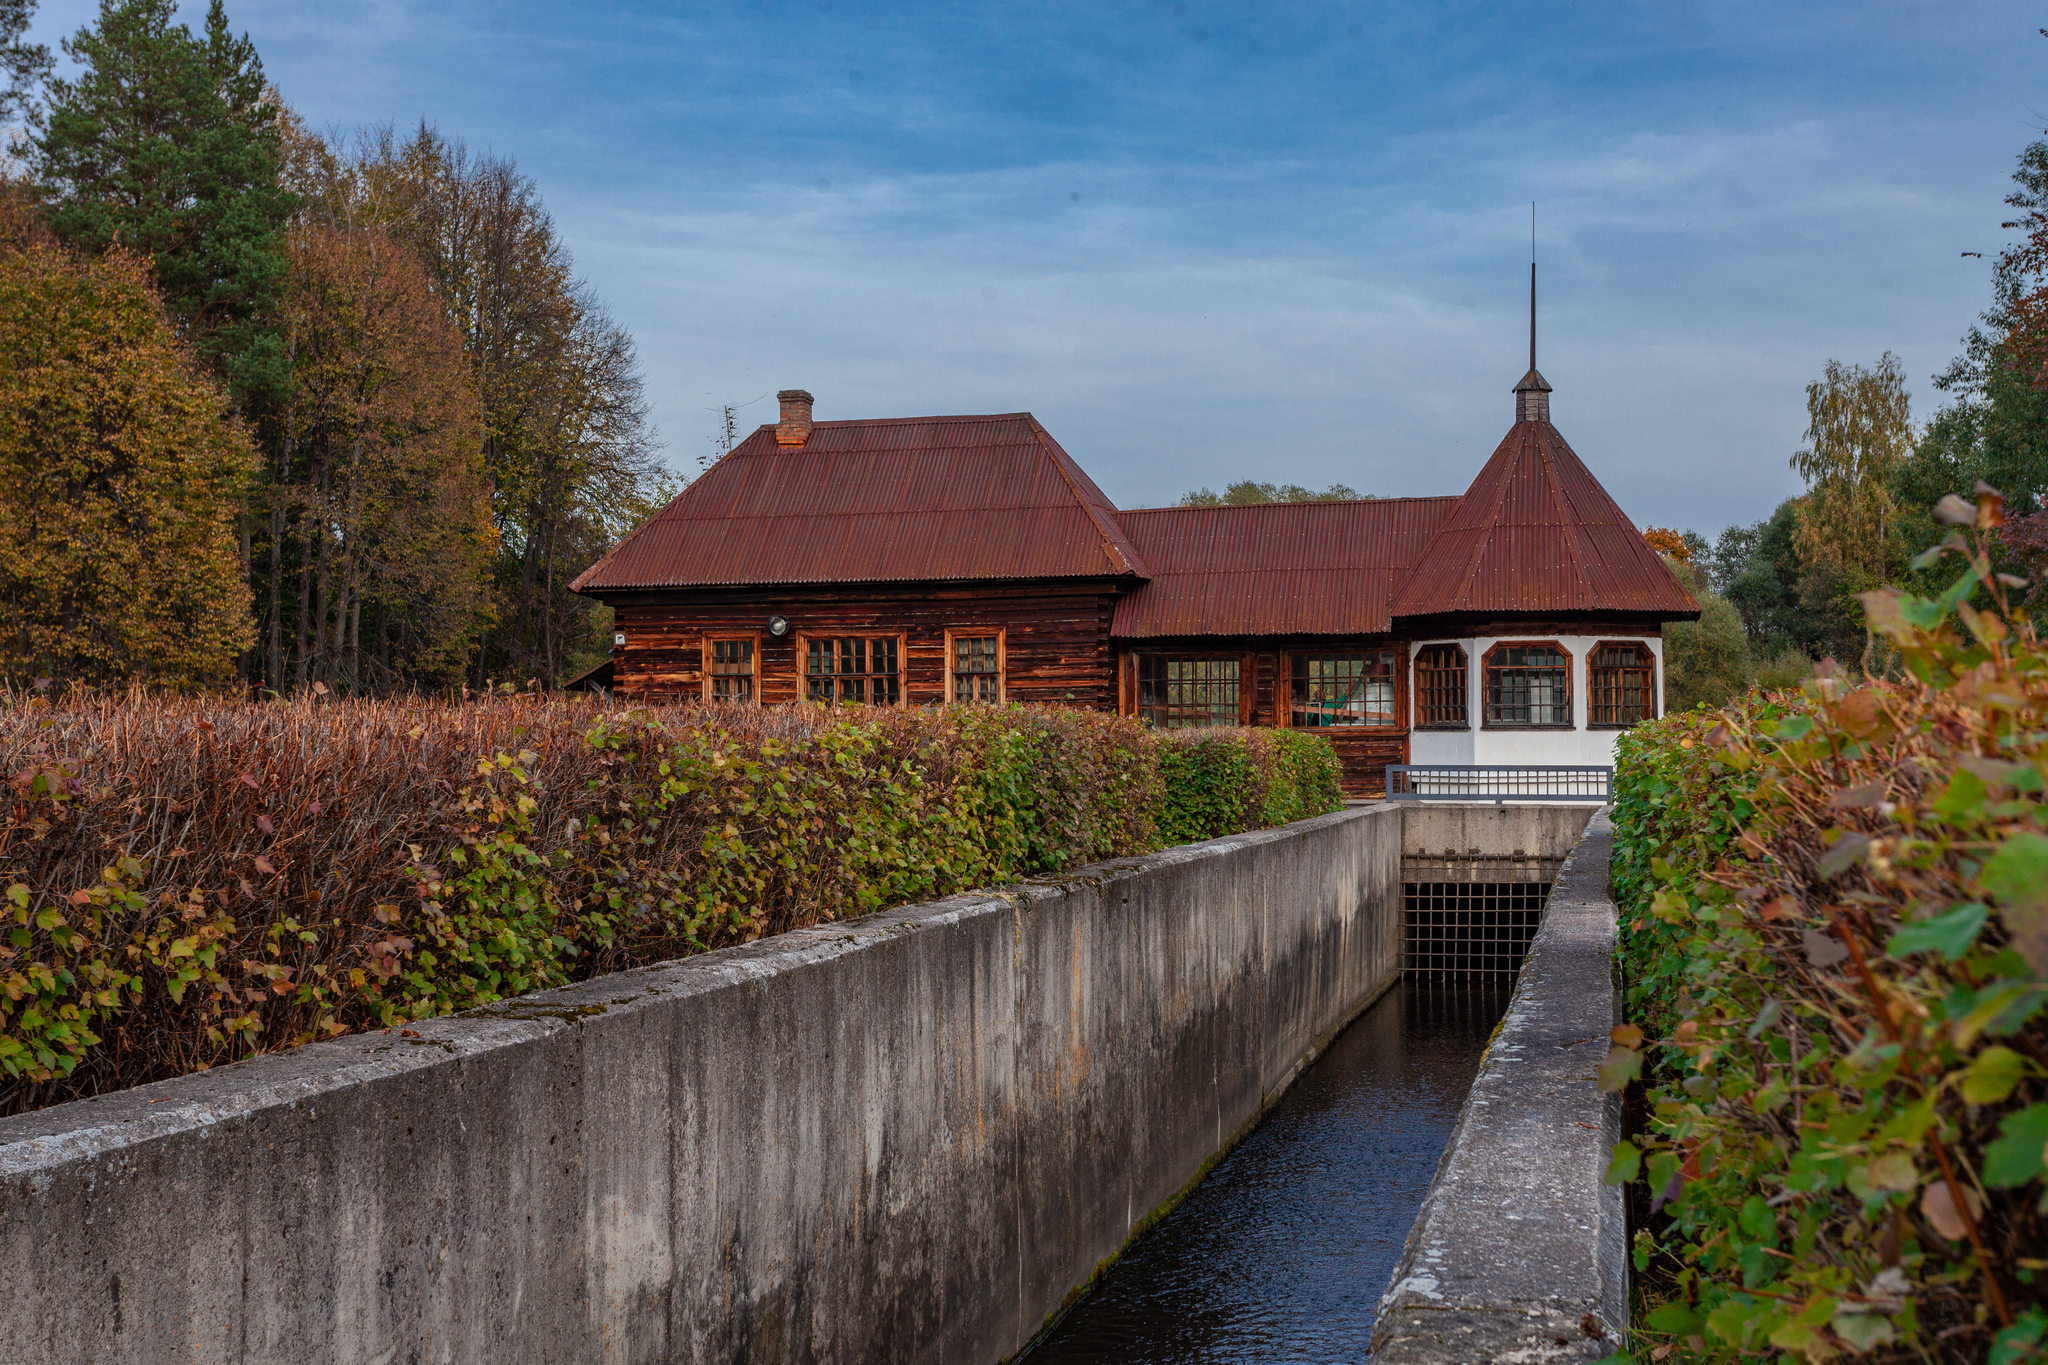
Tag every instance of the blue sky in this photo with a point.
(1209, 239)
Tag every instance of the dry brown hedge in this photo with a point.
(192, 881)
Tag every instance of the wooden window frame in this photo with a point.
(1571, 668)
(1247, 669)
(1283, 689)
(1002, 635)
(751, 637)
(1656, 692)
(1415, 686)
(803, 652)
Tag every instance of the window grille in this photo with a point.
(732, 670)
(1178, 693)
(856, 670)
(1349, 689)
(1440, 686)
(1528, 685)
(1624, 685)
(977, 668)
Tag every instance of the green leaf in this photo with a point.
(1950, 934)
(1626, 1164)
(1794, 727)
(1963, 797)
(2016, 1157)
(2018, 872)
(1675, 1318)
(1958, 591)
(1862, 1330)
(1623, 1065)
(1994, 1075)
(2017, 1342)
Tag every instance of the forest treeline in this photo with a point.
(1782, 593)
(284, 409)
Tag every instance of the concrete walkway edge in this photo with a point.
(1520, 1251)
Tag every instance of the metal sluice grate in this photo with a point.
(1469, 931)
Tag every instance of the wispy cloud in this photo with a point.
(1204, 240)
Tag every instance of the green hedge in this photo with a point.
(1220, 781)
(1835, 947)
(190, 883)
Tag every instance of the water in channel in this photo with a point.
(1283, 1252)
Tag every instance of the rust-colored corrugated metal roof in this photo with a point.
(924, 498)
(1537, 532)
(1283, 568)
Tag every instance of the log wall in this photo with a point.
(1056, 636)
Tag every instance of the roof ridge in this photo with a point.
(1053, 450)
(1576, 526)
(1312, 502)
(909, 421)
(1479, 543)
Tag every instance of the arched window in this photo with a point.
(1440, 688)
(1529, 683)
(1624, 683)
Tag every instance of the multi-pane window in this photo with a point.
(1440, 686)
(1624, 684)
(1344, 689)
(1173, 693)
(1528, 685)
(732, 670)
(859, 670)
(978, 668)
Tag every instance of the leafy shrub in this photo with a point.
(190, 882)
(1221, 780)
(1835, 941)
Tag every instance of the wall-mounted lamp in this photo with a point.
(778, 626)
(619, 639)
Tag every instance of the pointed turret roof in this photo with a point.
(1537, 533)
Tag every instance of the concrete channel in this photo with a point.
(921, 1136)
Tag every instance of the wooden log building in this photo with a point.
(936, 561)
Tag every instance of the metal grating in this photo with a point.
(1496, 782)
(1469, 931)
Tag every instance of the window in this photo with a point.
(1440, 687)
(858, 670)
(1348, 689)
(1175, 693)
(731, 669)
(977, 665)
(1624, 683)
(1528, 684)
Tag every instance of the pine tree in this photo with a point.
(168, 143)
(22, 64)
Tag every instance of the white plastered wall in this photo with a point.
(1478, 744)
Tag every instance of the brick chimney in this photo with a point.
(795, 427)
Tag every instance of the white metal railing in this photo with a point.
(1497, 782)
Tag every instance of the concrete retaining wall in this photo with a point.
(1520, 1252)
(908, 1138)
(1459, 827)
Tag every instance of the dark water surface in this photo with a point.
(1283, 1252)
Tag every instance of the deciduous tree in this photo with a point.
(1860, 430)
(120, 475)
(380, 540)
(1247, 492)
